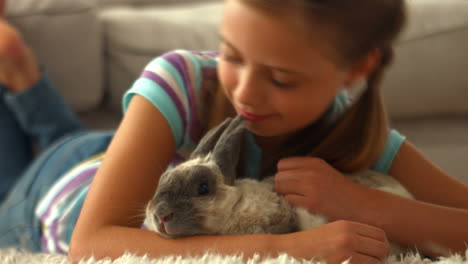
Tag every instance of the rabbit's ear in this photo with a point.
(227, 150)
(208, 142)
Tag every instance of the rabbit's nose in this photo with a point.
(166, 218)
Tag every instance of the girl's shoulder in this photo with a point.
(187, 68)
(177, 83)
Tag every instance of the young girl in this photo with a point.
(283, 66)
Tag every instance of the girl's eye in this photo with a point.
(203, 189)
(281, 84)
(231, 59)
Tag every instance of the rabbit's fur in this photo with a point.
(198, 198)
(248, 207)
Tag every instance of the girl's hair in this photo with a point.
(355, 29)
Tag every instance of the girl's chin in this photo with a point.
(263, 131)
(270, 133)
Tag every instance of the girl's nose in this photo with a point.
(248, 91)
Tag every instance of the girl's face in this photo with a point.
(276, 77)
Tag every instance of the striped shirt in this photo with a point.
(174, 83)
(58, 210)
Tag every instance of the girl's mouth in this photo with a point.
(252, 117)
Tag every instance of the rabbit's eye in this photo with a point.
(203, 189)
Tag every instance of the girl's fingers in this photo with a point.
(292, 163)
(363, 241)
(372, 248)
(372, 232)
(286, 183)
(2, 8)
(301, 162)
(371, 241)
(296, 200)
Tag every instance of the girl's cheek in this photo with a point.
(228, 77)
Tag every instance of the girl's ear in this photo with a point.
(364, 68)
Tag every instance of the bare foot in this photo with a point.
(18, 66)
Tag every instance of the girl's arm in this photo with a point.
(143, 146)
(427, 182)
(114, 208)
(438, 220)
(436, 223)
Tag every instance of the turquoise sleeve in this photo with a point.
(394, 142)
(161, 100)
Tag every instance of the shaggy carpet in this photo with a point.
(12, 256)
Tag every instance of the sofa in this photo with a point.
(95, 49)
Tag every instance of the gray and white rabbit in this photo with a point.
(203, 197)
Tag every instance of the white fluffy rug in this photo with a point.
(12, 256)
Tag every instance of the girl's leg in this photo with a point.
(15, 147)
(38, 114)
(42, 113)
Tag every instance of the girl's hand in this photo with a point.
(18, 66)
(313, 184)
(337, 242)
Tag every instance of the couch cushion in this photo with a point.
(429, 76)
(134, 36)
(66, 36)
(443, 140)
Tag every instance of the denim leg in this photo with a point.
(38, 114)
(15, 148)
(42, 113)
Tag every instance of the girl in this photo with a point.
(282, 65)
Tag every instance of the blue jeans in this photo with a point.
(37, 115)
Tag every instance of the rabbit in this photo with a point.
(202, 196)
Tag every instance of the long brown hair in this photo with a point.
(355, 141)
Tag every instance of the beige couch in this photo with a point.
(95, 49)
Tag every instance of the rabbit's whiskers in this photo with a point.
(137, 212)
(137, 219)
